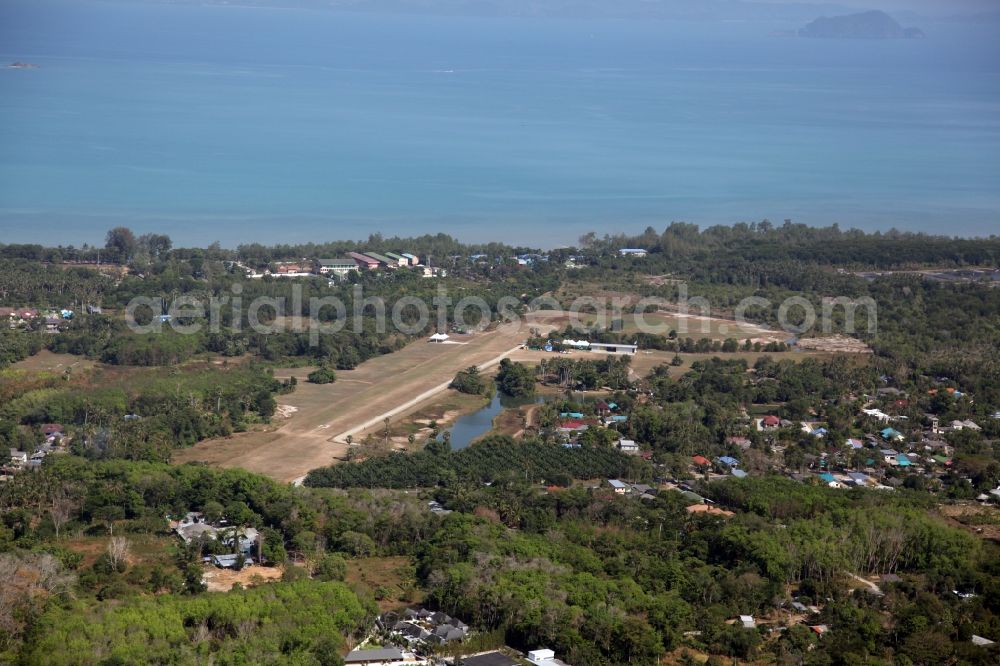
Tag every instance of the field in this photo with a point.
(981, 520)
(46, 361)
(222, 580)
(389, 579)
(645, 361)
(321, 416)
(144, 549)
(691, 325)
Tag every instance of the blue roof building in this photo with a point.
(892, 434)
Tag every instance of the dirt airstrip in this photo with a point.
(313, 434)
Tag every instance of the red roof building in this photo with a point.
(701, 460)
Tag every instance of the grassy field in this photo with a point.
(46, 361)
(645, 361)
(690, 325)
(390, 580)
(144, 549)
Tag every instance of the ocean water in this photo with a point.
(239, 124)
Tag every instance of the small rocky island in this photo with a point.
(22, 65)
(866, 25)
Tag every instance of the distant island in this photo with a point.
(866, 25)
(22, 65)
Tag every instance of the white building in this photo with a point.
(619, 487)
(337, 266)
(18, 458)
(544, 657)
(628, 446)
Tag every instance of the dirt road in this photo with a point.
(323, 415)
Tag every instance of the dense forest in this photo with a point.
(601, 578)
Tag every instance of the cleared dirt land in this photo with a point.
(320, 414)
(46, 361)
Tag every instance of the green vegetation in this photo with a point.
(515, 379)
(140, 415)
(322, 375)
(491, 458)
(284, 623)
(471, 382)
(531, 548)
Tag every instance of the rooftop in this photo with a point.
(368, 656)
(489, 659)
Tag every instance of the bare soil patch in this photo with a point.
(840, 344)
(223, 580)
(981, 520)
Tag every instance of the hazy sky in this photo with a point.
(923, 6)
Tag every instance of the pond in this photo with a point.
(469, 427)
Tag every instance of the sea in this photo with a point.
(238, 125)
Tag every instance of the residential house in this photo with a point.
(728, 462)
(628, 446)
(53, 430)
(889, 456)
(230, 561)
(543, 657)
(194, 527)
(701, 461)
(877, 414)
(748, 622)
(620, 487)
(859, 479)
(18, 459)
(769, 422)
(830, 480)
(739, 442)
(379, 656)
(892, 435)
(632, 252)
